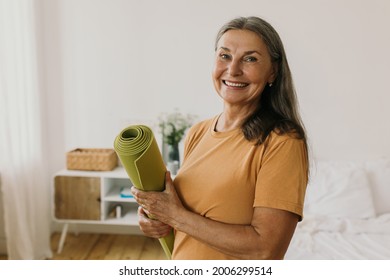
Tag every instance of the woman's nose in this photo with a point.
(234, 68)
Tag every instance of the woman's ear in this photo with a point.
(274, 73)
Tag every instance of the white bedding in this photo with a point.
(347, 212)
(327, 238)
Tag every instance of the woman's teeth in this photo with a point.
(231, 84)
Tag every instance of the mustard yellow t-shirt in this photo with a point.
(224, 176)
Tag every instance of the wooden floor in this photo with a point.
(85, 246)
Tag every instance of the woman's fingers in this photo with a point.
(150, 227)
(163, 206)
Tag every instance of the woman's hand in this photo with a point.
(158, 210)
(150, 227)
(266, 237)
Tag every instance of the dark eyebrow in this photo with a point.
(252, 52)
(225, 49)
(246, 53)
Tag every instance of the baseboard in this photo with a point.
(3, 246)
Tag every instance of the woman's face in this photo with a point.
(242, 67)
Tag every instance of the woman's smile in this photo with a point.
(231, 84)
(242, 65)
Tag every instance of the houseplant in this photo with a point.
(173, 127)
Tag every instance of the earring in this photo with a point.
(270, 84)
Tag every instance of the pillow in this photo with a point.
(379, 177)
(339, 190)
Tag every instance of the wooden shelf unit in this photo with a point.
(91, 197)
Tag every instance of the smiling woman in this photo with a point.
(230, 198)
(242, 69)
(278, 99)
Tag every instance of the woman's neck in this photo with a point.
(231, 119)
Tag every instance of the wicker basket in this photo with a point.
(92, 159)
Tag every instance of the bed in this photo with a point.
(346, 214)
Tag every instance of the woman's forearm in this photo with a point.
(239, 241)
(266, 237)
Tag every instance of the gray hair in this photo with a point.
(259, 26)
(278, 108)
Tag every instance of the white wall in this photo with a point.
(112, 63)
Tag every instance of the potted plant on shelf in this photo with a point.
(173, 127)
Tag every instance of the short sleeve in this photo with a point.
(282, 178)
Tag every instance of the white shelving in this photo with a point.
(111, 189)
(72, 190)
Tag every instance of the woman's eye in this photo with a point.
(224, 56)
(250, 59)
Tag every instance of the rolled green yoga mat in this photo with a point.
(137, 149)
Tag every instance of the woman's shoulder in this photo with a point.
(202, 126)
(195, 133)
(277, 137)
